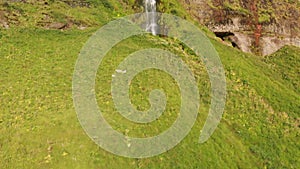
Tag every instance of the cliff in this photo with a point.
(260, 27)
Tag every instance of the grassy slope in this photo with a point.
(39, 128)
(285, 63)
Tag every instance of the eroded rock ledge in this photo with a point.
(260, 27)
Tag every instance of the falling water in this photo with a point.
(150, 6)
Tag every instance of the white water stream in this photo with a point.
(150, 9)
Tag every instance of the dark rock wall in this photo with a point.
(259, 26)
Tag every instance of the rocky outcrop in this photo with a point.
(12, 14)
(3, 20)
(255, 26)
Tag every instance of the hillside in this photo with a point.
(39, 126)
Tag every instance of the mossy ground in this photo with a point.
(39, 127)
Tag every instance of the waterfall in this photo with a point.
(150, 9)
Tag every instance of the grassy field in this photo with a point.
(39, 127)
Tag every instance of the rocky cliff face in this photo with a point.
(257, 26)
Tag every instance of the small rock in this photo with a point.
(82, 27)
(121, 71)
(3, 20)
(57, 25)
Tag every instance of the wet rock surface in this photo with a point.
(260, 27)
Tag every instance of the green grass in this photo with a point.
(285, 64)
(39, 127)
